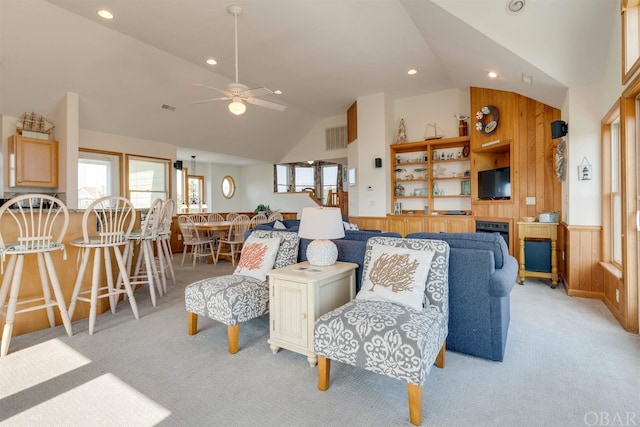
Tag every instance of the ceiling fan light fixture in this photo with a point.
(237, 107)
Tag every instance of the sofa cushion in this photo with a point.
(395, 274)
(493, 242)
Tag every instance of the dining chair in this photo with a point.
(256, 220)
(215, 217)
(231, 216)
(232, 244)
(275, 216)
(191, 239)
(39, 222)
(106, 225)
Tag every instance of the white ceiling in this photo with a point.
(321, 54)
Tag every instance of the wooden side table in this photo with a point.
(539, 230)
(298, 295)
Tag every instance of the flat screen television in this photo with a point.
(494, 184)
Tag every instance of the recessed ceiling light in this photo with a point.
(277, 92)
(104, 13)
(527, 79)
(492, 75)
(211, 61)
(515, 6)
(412, 71)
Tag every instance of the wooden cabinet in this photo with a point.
(33, 162)
(405, 224)
(298, 295)
(431, 176)
(450, 224)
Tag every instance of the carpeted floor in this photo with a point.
(568, 363)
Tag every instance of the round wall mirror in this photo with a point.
(228, 187)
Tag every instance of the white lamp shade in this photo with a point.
(321, 223)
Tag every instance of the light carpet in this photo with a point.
(568, 363)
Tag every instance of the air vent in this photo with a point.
(169, 107)
(336, 138)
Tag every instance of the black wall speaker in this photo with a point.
(378, 162)
(559, 129)
(178, 165)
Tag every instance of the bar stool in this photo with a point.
(164, 241)
(146, 237)
(114, 218)
(36, 218)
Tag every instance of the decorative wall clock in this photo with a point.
(487, 119)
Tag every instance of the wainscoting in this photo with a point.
(582, 274)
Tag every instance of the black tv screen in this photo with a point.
(494, 184)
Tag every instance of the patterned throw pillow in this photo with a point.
(279, 225)
(396, 275)
(289, 245)
(257, 257)
(349, 226)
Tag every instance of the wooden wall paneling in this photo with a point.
(352, 122)
(583, 277)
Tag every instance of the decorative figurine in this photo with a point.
(402, 133)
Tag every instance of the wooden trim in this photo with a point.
(110, 153)
(352, 122)
(626, 75)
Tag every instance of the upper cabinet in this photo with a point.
(33, 162)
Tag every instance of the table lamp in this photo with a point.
(321, 224)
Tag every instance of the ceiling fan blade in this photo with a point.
(257, 91)
(210, 87)
(267, 104)
(211, 99)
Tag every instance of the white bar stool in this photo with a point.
(35, 217)
(115, 217)
(164, 241)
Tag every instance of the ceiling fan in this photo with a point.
(237, 92)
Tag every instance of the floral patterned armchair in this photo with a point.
(233, 299)
(387, 337)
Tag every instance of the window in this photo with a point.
(616, 196)
(228, 187)
(329, 181)
(98, 175)
(316, 176)
(196, 189)
(147, 179)
(630, 38)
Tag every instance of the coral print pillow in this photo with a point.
(258, 257)
(396, 275)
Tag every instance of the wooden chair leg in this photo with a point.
(193, 323)
(441, 354)
(324, 373)
(233, 332)
(415, 404)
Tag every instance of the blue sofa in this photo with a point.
(481, 277)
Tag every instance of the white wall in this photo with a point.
(312, 146)
(583, 141)
(438, 108)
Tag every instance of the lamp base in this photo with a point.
(322, 253)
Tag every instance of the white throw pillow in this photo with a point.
(257, 257)
(279, 225)
(396, 275)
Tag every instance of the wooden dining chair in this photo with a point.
(232, 244)
(194, 241)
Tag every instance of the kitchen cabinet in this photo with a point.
(450, 224)
(405, 224)
(33, 162)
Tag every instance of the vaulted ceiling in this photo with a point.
(321, 54)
